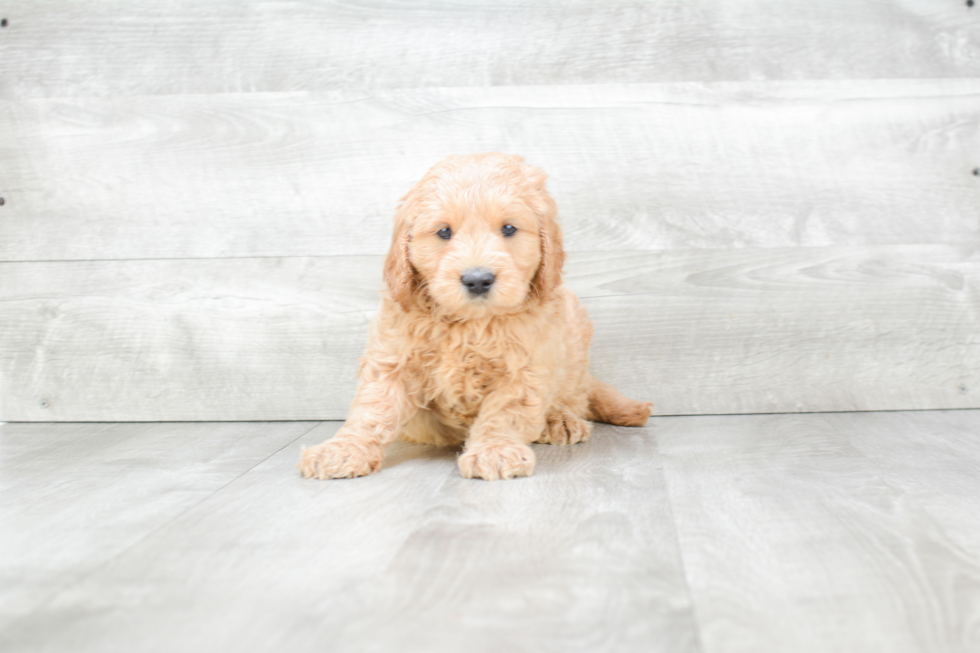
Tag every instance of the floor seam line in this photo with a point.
(60, 591)
(699, 641)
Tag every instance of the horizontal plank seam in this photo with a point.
(396, 92)
(341, 421)
(187, 421)
(653, 417)
(366, 310)
(817, 412)
(187, 258)
(620, 252)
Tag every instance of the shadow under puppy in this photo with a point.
(477, 342)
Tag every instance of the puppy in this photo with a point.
(476, 343)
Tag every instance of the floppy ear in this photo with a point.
(548, 276)
(398, 274)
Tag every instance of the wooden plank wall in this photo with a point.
(768, 206)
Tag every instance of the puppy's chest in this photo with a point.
(456, 380)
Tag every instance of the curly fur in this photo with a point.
(493, 372)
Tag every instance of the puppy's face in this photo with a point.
(476, 232)
(477, 255)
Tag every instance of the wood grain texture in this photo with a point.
(792, 541)
(76, 496)
(788, 330)
(179, 340)
(631, 167)
(94, 47)
(580, 557)
(933, 457)
(697, 332)
(782, 533)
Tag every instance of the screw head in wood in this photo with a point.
(963, 389)
(976, 172)
(43, 403)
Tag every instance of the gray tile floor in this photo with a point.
(815, 532)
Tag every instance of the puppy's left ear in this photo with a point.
(398, 274)
(548, 276)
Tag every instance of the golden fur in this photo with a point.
(494, 372)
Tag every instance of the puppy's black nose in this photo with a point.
(478, 280)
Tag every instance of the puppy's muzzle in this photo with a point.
(478, 280)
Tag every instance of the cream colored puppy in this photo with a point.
(477, 343)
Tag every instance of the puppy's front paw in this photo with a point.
(565, 428)
(340, 459)
(494, 461)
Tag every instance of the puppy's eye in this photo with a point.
(445, 233)
(508, 230)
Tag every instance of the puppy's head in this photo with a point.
(477, 236)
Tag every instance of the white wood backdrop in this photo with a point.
(770, 206)
(55, 48)
(632, 167)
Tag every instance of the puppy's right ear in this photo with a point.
(398, 274)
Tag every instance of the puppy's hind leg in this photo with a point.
(607, 404)
(564, 427)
